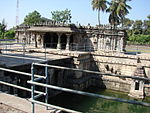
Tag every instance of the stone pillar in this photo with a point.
(17, 36)
(107, 43)
(24, 37)
(104, 46)
(102, 42)
(59, 40)
(29, 37)
(111, 40)
(42, 40)
(113, 43)
(68, 41)
(32, 39)
(117, 44)
(39, 40)
(121, 44)
(98, 42)
(35, 38)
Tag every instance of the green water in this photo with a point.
(95, 105)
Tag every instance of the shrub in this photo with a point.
(139, 39)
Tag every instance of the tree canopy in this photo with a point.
(32, 18)
(4, 33)
(2, 28)
(118, 10)
(63, 16)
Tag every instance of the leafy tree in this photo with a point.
(127, 23)
(146, 27)
(137, 24)
(10, 34)
(146, 24)
(32, 18)
(140, 39)
(138, 27)
(148, 17)
(99, 5)
(2, 28)
(63, 16)
(140, 32)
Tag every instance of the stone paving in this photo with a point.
(19, 105)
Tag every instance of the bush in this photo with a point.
(139, 39)
(10, 34)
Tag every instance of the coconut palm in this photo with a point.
(118, 10)
(99, 5)
(122, 9)
(113, 17)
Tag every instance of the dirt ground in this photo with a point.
(138, 48)
(7, 109)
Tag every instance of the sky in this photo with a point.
(81, 10)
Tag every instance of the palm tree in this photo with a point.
(99, 5)
(122, 9)
(113, 17)
(118, 10)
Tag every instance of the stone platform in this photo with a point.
(20, 105)
(15, 60)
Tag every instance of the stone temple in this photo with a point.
(89, 48)
(71, 37)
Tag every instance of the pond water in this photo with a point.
(96, 105)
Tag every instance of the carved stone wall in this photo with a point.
(84, 38)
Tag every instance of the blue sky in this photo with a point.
(81, 10)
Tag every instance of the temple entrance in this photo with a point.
(63, 41)
(50, 40)
(137, 85)
(71, 39)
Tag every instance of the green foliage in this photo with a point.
(113, 17)
(43, 19)
(6, 34)
(148, 17)
(140, 39)
(63, 16)
(10, 34)
(137, 24)
(32, 18)
(118, 10)
(2, 29)
(127, 23)
(139, 32)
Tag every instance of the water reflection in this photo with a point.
(96, 105)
